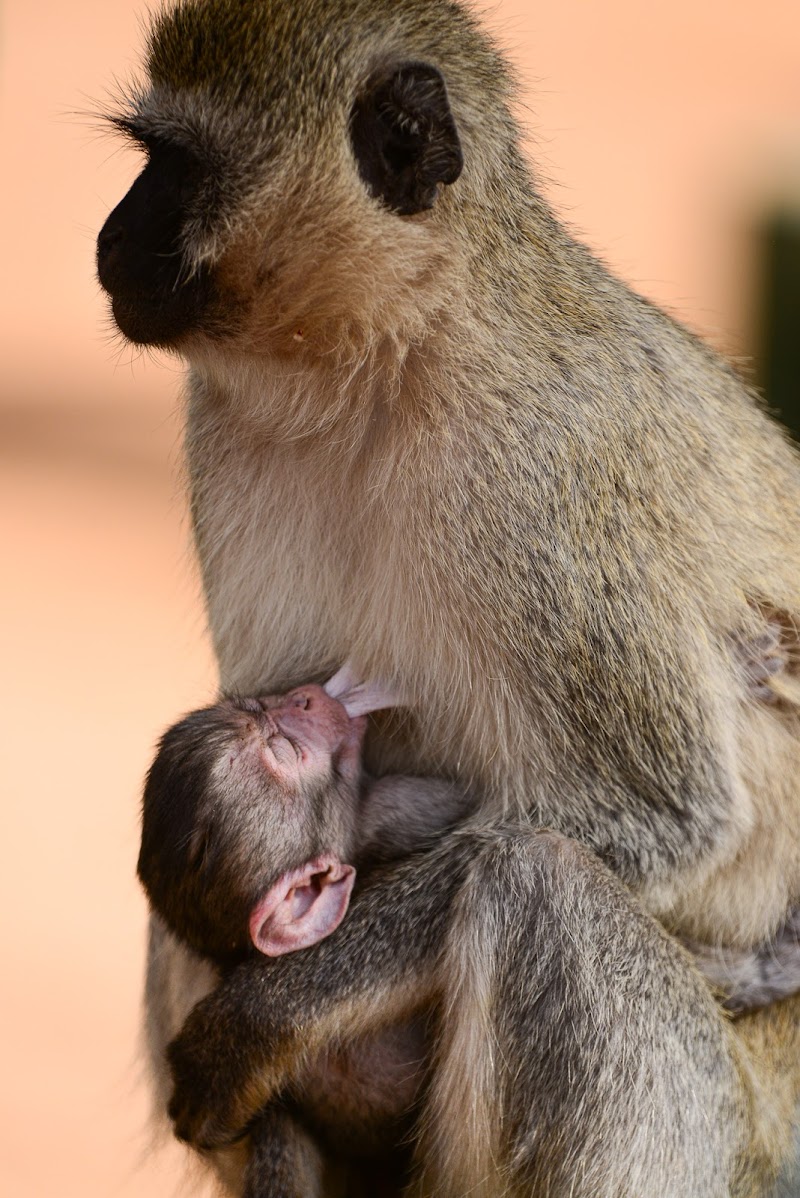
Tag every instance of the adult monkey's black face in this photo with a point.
(255, 173)
(155, 297)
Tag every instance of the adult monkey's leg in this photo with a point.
(771, 1040)
(284, 1161)
(581, 1054)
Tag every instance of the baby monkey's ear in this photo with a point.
(405, 139)
(303, 907)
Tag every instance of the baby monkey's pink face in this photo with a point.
(250, 817)
(304, 734)
(309, 730)
(301, 739)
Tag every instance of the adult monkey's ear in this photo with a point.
(405, 139)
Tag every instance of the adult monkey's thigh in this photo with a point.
(581, 1053)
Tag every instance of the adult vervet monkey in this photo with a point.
(429, 433)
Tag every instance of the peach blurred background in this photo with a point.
(662, 133)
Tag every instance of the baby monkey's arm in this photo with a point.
(252, 1035)
(401, 815)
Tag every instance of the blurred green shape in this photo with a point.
(779, 349)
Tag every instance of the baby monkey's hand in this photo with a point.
(221, 1070)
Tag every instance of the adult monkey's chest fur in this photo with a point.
(310, 558)
(457, 570)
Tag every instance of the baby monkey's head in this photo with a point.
(249, 819)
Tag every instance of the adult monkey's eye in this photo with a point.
(129, 127)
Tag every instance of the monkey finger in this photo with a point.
(200, 1129)
(207, 1107)
(224, 1067)
(203, 1115)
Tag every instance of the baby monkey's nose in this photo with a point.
(311, 700)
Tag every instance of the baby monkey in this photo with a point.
(256, 816)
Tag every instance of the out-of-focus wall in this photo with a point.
(660, 132)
